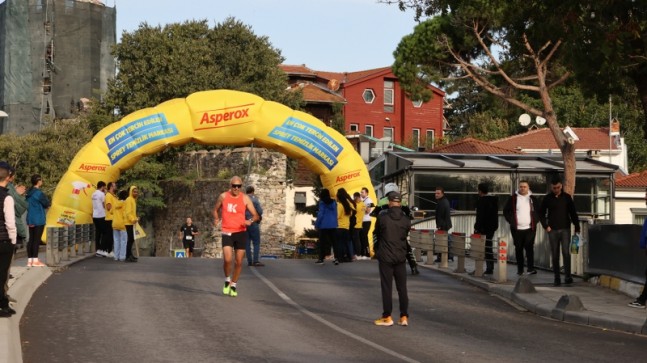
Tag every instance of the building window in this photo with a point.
(429, 140)
(300, 200)
(389, 95)
(388, 132)
(354, 128)
(417, 104)
(368, 130)
(415, 139)
(368, 95)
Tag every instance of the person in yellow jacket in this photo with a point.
(119, 235)
(130, 221)
(356, 230)
(345, 209)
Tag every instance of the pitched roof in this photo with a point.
(316, 93)
(634, 180)
(297, 69)
(471, 145)
(590, 138)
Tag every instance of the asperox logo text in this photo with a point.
(348, 176)
(93, 168)
(226, 115)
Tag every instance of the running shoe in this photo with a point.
(227, 288)
(404, 321)
(387, 321)
(233, 292)
(637, 304)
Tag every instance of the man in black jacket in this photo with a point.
(443, 218)
(556, 215)
(487, 222)
(392, 229)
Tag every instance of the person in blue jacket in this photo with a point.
(326, 224)
(642, 299)
(37, 202)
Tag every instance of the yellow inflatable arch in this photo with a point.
(220, 117)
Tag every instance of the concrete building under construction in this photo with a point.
(54, 57)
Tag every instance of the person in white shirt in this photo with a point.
(8, 237)
(520, 212)
(367, 220)
(99, 219)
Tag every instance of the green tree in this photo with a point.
(511, 49)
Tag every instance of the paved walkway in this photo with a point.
(580, 303)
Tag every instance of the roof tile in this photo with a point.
(591, 138)
(471, 145)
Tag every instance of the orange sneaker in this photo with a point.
(404, 321)
(387, 321)
(38, 264)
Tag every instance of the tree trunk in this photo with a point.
(567, 150)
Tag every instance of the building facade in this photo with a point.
(54, 58)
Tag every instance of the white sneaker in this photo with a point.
(111, 254)
(100, 253)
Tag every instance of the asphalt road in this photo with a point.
(172, 310)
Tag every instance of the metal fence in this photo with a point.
(68, 242)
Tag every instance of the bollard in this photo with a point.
(52, 235)
(503, 261)
(477, 252)
(458, 249)
(91, 238)
(442, 247)
(421, 240)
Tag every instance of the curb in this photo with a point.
(545, 307)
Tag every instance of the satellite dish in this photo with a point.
(333, 85)
(540, 120)
(524, 119)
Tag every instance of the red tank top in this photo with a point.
(233, 213)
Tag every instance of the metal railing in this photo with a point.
(68, 242)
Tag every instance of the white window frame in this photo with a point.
(353, 128)
(416, 138)
(391, 130)
(369, 91)
(417, 104)
(433, 137)
(368, 130)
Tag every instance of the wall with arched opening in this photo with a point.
(219, 117)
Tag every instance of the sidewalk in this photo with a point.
(22, 286)
(580, 303)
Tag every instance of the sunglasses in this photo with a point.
(237, 186)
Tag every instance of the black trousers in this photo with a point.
(388, 273)
(130, 231)
(363, 238)
(6, 253)
(109, 237)
(35, 234)
(99, 233)
(524, 240)
(326, 240)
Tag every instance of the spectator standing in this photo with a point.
(254, 231)
(8, 237)
(232, 205)
(119, 232)
(99, 218)
(642, 299)
(20, 207)
(188, 231)
(392, 227)
(130, 214)
(37, 203)
(111, 199)
(356, 232)
(487, 222)
(367, 220)
(383, 204)
(520, 212)
(443, 217)
(344, 243)
(557, 213)
(326, 224)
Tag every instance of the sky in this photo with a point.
(325, 35)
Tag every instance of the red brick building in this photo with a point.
(374, 104)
